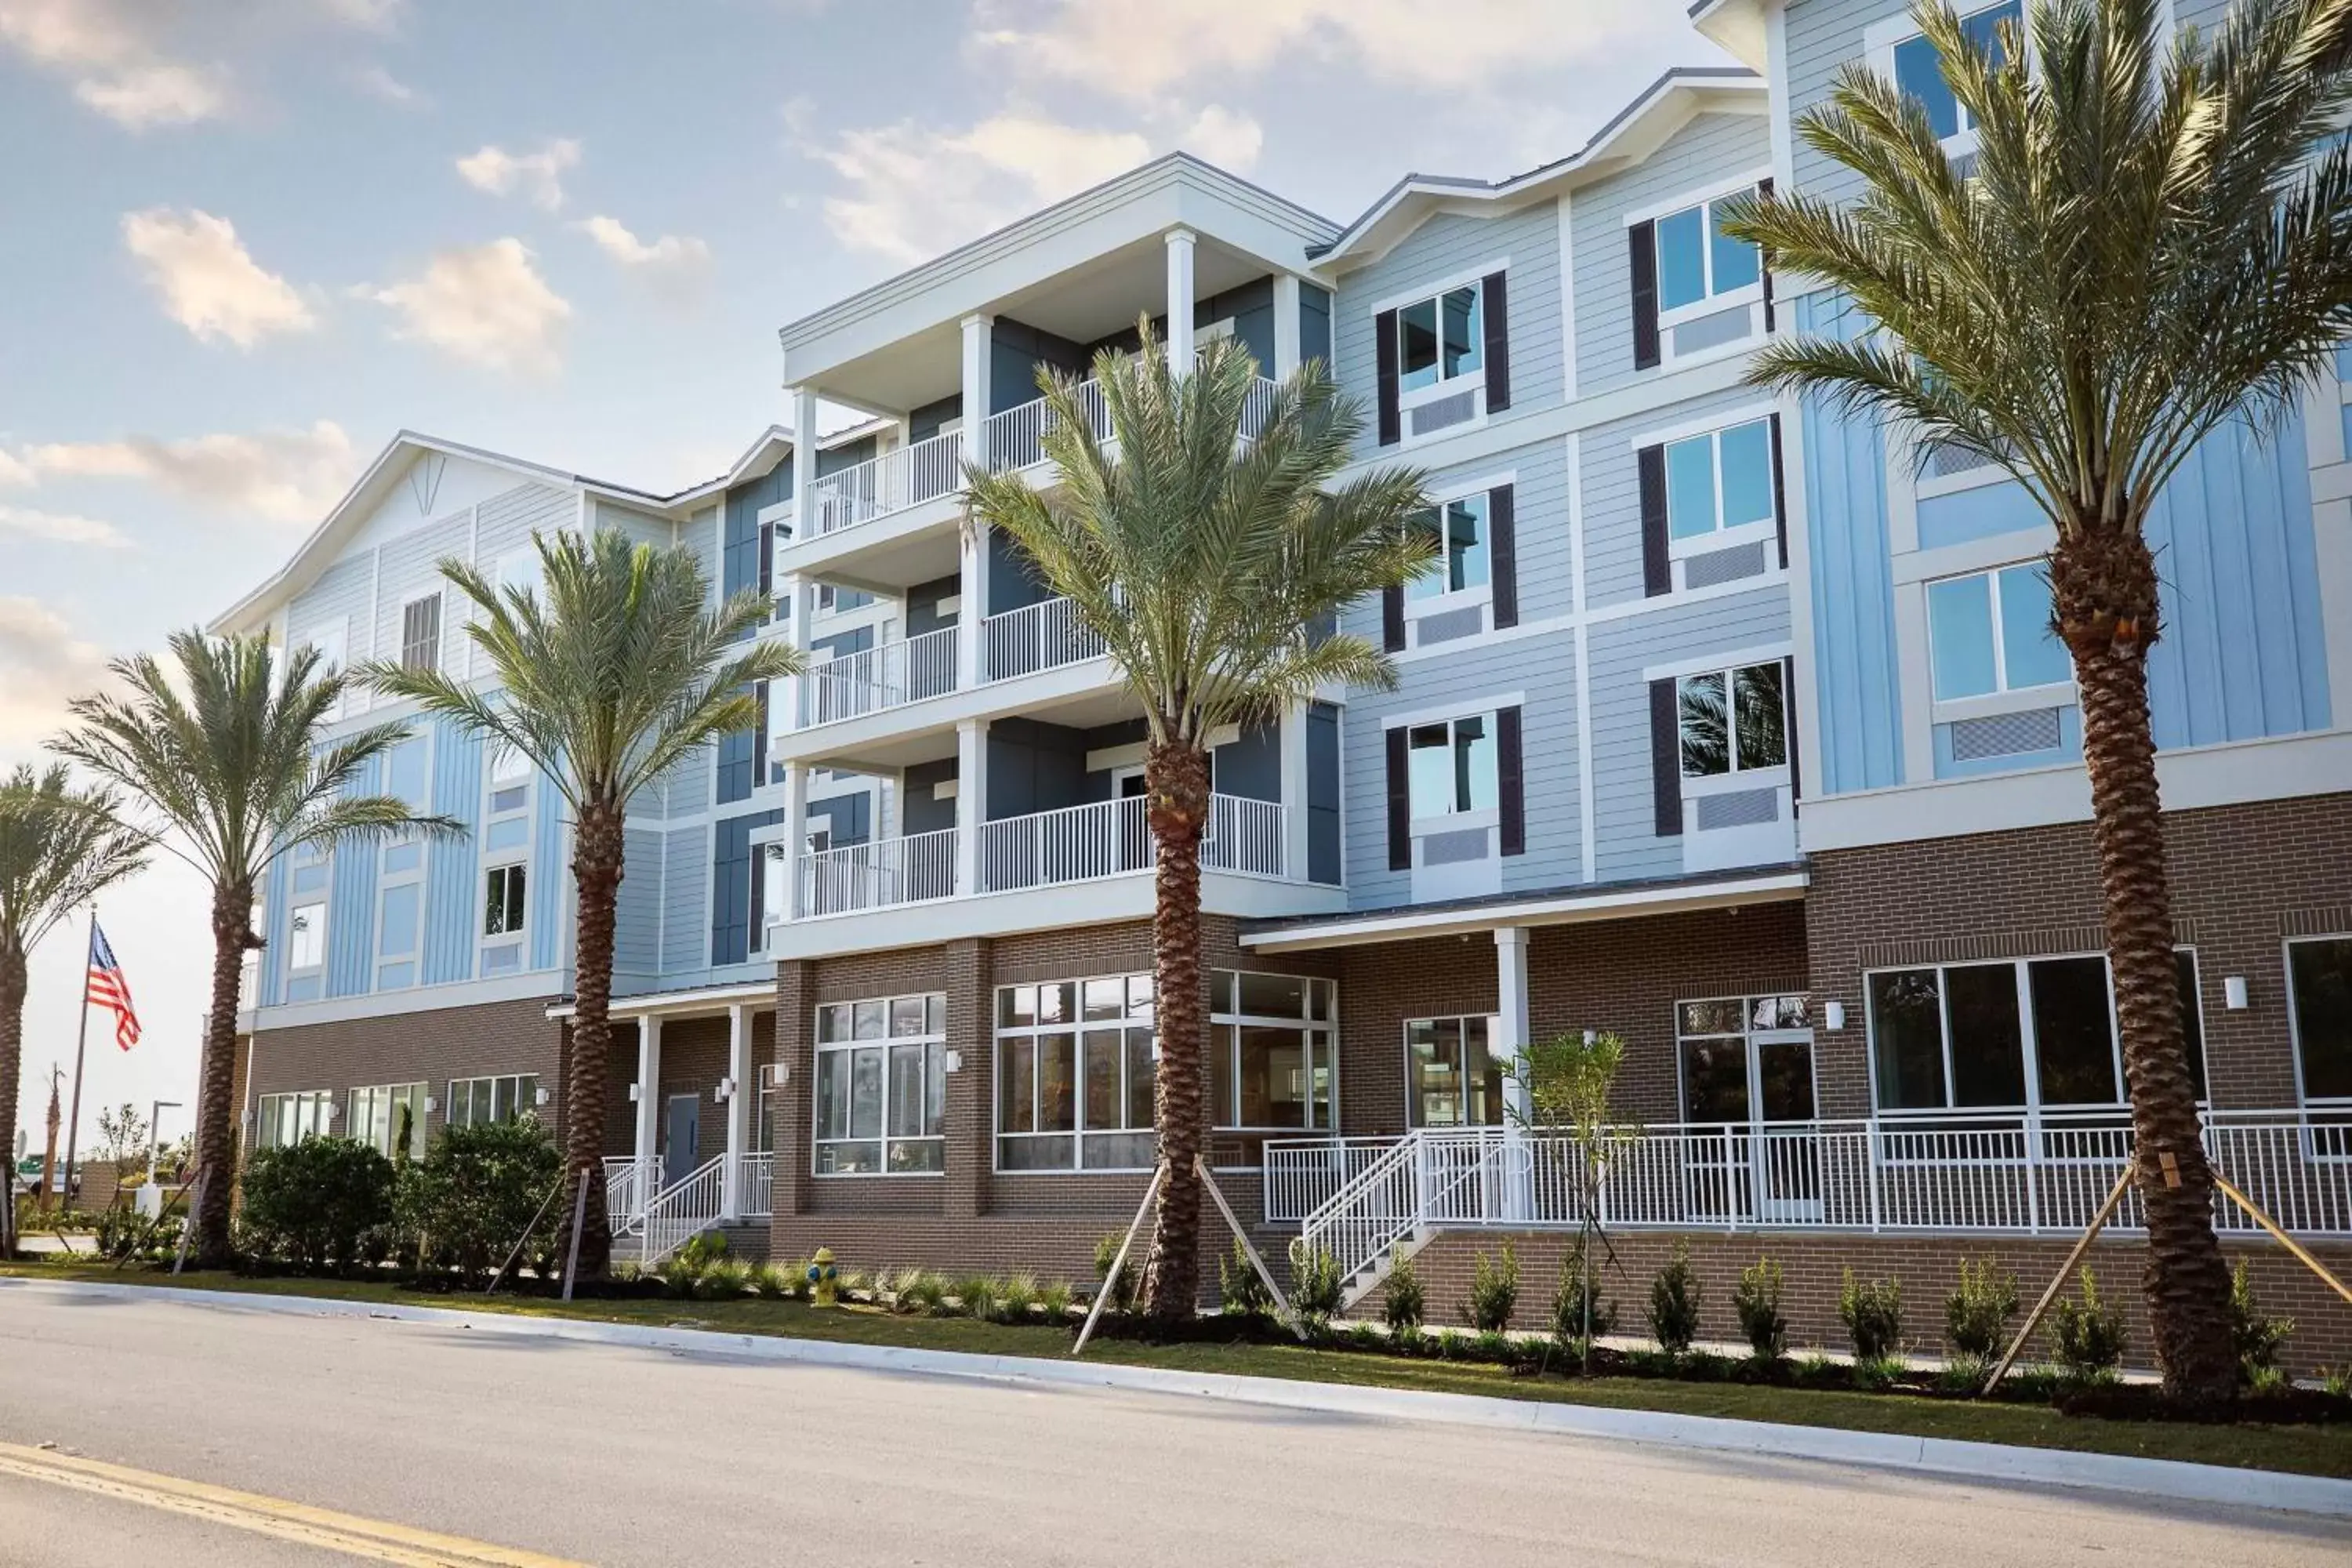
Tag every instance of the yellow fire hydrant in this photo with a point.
(825, 1281)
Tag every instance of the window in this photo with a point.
(1990, 632)
(287, 1118)
(1749, 732)
(2319, 987)
(306, 944)
(420, 633)
(1720, 481)
(1919, 71)
(502, 901)
(1272, 1051)
(1745, 1059)
(1463, 561)
(389, 1116)
(763, 1129)
(1073, 1075)
(1451, 766)
(475, 1100)
(510, 772)
(2035, 1033)
(1453, 1079)
(1441, 338)
(881, 1085)
(1698, 263)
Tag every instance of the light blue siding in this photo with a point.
(550, 874)
(276, 905)
(637, 935)
(1980, 511)
(351, 906)
(449, 873)
(685, 914)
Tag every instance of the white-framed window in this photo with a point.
(1073, 1075)
(282, 1119)
(2016, 1034)
(1273, 1052)
(420, 633)
(1733, 721)
(384, 1115)
(306, 940)
(330, 638)
(1990, 632)
(1465, 547)
(1904, 56)
(1719, 487)
(2319, 1003)
(504, 907)
(1454, 1077)
(1441, 339)
(400, 871)
(1702, 269)
(506, 851)
(502, 1098)
(764, 1130)
(881, 1085)
(1452, 767)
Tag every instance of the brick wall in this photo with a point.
(490, 1038)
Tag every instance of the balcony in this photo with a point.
(1027, 641)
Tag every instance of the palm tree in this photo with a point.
(225, 752)
(612, 679)
(58, 845)
(2151, 245)
(1212, 571)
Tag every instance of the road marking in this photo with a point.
(377, 1541)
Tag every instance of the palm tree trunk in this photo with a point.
(1176, 782)
(2103, 584)
(13, 986)
(597, 866)
(216, 1078)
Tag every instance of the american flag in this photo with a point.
(110, 989)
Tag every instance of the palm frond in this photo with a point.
(59, 846)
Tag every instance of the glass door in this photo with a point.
(1746, 1067)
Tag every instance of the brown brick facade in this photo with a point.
(494, 1038)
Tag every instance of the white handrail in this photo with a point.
(875, 678)
(921, 471)
(1248, 836)
(629, 1181)
(1016, 437)
(1073, 844)
(755, 1183)
(682, 1211)
(1044, 635)
(878, 874)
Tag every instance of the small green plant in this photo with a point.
(1054, 1300)
(1494, 1291)
(1364, 1337)
(1493, 1345)
(1578, 1313)
(1121, 1290)
(1816, 1367)
(1401, 1302)
(1239, 1289)
(1874, 1372)
(2259, 1337)
(1963, 1373)
(2337, 1379)
(1977, 1314)
(1014, 1297)
(977, 1296)
(922, 1291)
(1674, 1302)
(2088, 1335)
(1316, 1284)
(1873, 1315)
(771, 1283)
(1756, 1300)
(726, 1279)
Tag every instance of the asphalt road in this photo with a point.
(613, 1456)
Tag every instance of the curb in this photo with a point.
(2174, 1479)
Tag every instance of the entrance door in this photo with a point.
(1752, 1152)
(681, 1135)
(1130, 830)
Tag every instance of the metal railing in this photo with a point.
(755, 1185)
(630, 1180)
(1073, 844)
(880, 875)
(1044, 635)
(1245, 836)
(682, 1211)
(875, 678)
(909, 476)
(1302, 1175)
(1016, 437)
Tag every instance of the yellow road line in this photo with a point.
(377, 1541)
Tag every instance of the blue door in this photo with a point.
(682, 1129)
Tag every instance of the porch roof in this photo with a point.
(1569, 905)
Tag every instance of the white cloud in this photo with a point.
(676, 267)
(1223, 137)
(486, 305)
(538, 176)
(380, 83)
(156, 95)
(14, 471)
(276, 475)
(209, 282)
(60, 528)
(43, 666)
(914, 191)
(113, 51)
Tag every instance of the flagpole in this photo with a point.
(81, 1042)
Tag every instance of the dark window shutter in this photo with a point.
(1503, 554)
(1384, 361)
(1642, 241)
(1400, 805)
(1667, 757)
(1764, 188)
(761, 769)
(1657, 566)
(1510, 782)
(1499, 344)
(1788, 719)
(1393, 619)
(1779, 496)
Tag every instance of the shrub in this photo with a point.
(2259, 1337)
(2087, 1335)
(1577, 1304)
(1977, 1314)
(681, 1272)
(977, 1296)
(772, 1282)
(1757, 1301)
(477, 1189)
(1674, 1303)
(124, 1235)
(1401, 1302)
(921, 1291)
(1873, 1316)
(1875, 1372)
(1964, 1373)
(309, 1203)
(1054, 1300)
(1316, 1285)
(1122, 1289)
(2337, 1379)
(1494, 1291)
(725, 1280)
(1243, 1293)
(1014, 1297)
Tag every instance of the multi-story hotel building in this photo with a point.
(1725, 723)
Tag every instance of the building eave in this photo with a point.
(1736, 26)
(1566, 906)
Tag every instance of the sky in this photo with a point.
(244, 242)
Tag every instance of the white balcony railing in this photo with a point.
(1040, 636)
(1245, 836)
(1016, 437)
(1075, 844)
(872, 679)
(921, 471)
(880, 875)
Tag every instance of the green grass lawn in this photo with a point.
(2322, 1450)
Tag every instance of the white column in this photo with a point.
(1510, 1044)
(979, 335)
(648, 1087)
(795, 808)
(740, 1098)
(1285, 326)
(798, 595)
(1179, 300)
(803, 455)
(1293, 792)
(971, 802)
